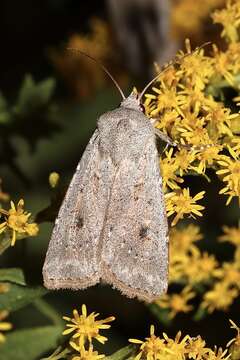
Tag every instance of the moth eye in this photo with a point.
(142, 108)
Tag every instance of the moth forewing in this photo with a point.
(134, 239)
(71, 260)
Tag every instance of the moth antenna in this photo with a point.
(102, 66)
(168, 66)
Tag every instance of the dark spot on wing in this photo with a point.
(143, 232)
(80, 222)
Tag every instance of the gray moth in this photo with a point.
(112, 225)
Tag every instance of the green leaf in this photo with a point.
(13, 275)
(19, 296)
(125, 353)
(29, 344)
(34, 95)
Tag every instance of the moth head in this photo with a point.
(132, 102)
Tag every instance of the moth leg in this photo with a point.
(165, 137)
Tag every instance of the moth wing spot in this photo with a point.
(143, 232)
(80, 222)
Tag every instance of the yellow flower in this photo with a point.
(181, 240)
(229, 17)
(223, 66)
(196, 69)
(168, 168)
(176, 346)
(231, 234)
(230, 170)
(219, 298)
(86, 327)
(53, 179)
(16, 220)
(85, 354)
(219, 120)
(181, 203)
(229, 273)
(196, 348)
(177, 303)
(166, 99)
(200, 267)
(4, 326)
(195, 135)
(218, 354)
(206, 158)
(183, 158)
(153, 348)
(234, 344)
(187, 19)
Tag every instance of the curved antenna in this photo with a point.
(168, 66)
(102, 66)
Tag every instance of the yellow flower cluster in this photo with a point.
(16, 222)
(85, 328)
(186, 17)
(199, 272)
(185, 103)
(156, 348)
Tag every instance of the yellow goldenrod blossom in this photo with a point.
(219, 298)
(231, 234)
(153, 348)
(177, 347)
(229, 17)
(181, 240)
(4, 326)
(168, 169)
(200, 267)
(206, 158)
(229, 273)
(234, 344)
(218, 354)
(16, 220)
(230, 170)
(177, 303)
(53, 179)
(85, 354)
(86, 327)
(196, 348)
(183, 159)
(187, 19)
(181, 203)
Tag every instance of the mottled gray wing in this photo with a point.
(134, 244)
(72, 259)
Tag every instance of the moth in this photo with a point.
(112, 225)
